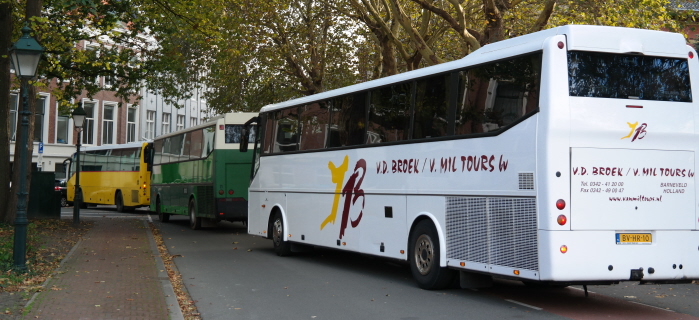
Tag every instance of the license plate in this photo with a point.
(634, 238)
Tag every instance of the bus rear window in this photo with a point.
(235, 131)
(608, 75)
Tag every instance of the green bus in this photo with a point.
(200, 172)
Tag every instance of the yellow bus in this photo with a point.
(113, 175)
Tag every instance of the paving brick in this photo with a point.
(110, 275)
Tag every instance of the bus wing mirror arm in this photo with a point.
(246, 133)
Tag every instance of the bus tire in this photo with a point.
(276, 229)
(194, 221)
(424, 255)
(162, 216)
(119, 201)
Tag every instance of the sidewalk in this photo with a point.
(114, 272)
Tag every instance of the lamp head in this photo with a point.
(25, 54)
(79, 116)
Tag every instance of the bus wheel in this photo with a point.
(119, 200)
(194, 221)
(281, 247)
(423, 255)
(162, 216)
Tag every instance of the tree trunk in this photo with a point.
(5, 44)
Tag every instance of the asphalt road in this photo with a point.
(232, 275)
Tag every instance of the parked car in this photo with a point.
(61, 187)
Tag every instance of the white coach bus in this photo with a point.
(566, 156)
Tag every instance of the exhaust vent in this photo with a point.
(526, 181)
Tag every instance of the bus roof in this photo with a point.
(230, 118)
(129, 145)
(578, 37)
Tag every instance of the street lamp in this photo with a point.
(78, 120)
(25, 55)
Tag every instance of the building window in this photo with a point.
(94, 54)
(39, 119)
(166, 123)
(131, 125)
(150, 124)
(62, 128)
(13, 116)
(108, 125)
(192, 121)
(89, 125)
(110, 80)
(180, 122)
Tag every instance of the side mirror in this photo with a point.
(244, 139)
(246, 133)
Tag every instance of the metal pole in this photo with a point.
(20, 245)
(78, 196)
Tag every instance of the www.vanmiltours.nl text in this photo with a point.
(639, 198)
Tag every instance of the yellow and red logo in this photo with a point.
(351, 191)
(638, 132)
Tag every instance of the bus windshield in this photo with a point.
(622, 76)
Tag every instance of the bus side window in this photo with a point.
(431, 107)
(165, 156)
(208, 142)
(186, 144)
(314, 125)
(176, 147)
(157, 152)
(348, 118)
(197, 141)
(269, 120)
(389, 114)
(287, 131)
(498, 94)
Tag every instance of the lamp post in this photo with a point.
(78, 121)
(25, 55)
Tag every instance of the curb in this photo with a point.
(170, 297)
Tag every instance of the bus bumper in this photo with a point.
(671, 256)
(232, 209)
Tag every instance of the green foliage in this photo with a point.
(245, 54)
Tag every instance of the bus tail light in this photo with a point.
(144, 186)
(560, 204)
(691, 54)
(562, 219)
(564, 249)
(230, 192)
(220, 192)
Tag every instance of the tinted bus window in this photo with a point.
(389, 114)
(197, 141)
(608, 75)
(497, 94)
(347, 120)
(431, 107)
(314, 125)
